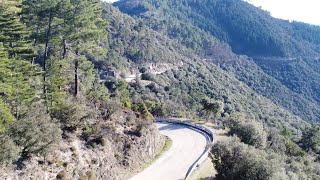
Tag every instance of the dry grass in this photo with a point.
(165, 148)
(204, 171)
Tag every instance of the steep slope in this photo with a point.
(255, 101)
(249, 30)
(190, 79)
(284, 54)
(132, 43)
(181, 90)
(57, 119)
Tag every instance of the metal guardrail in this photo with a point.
(205, 131)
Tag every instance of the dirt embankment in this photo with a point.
(127, 143)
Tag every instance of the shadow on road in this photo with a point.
(171, 127)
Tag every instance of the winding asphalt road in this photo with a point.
(187, 146)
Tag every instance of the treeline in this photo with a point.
(175, 24)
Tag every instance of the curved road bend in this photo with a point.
(187, 147)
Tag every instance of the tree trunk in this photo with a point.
(46, 51)
(11, 54)
(64, 48)
(76, 78)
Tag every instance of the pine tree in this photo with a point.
(5, 115)
(43, 18)
(14, 86)
(14, 34)
(14, 69)
(67, 30)
(84, 27)
(57, 80)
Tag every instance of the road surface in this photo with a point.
(187, 147)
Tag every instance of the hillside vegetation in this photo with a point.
(81, 82)
(244, 75)
(57, 119)
(285, 55)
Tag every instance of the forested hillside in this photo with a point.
(249, 30)
(57, 119)
(283, 52)
(82, 80)
(183, 90)
(246, 75)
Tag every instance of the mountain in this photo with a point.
(238, 55)
(248, 29)
(188, 79)
(283, 56)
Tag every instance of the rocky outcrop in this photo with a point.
(159, 68)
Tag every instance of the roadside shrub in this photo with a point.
(142, 109)
(249, 131)
(235, 160)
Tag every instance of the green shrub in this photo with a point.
(126, 102)
(35, 133)
(6, 118)
(249, 131)
(311, 139)
(235, 160)
(142, 108)
(9, 151)
(70, 113)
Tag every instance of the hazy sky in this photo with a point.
(301, 10)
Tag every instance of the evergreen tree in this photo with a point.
(6, 118)
(84, 27)
(14, 86)
(14, 34)
(57, 80)
(71, 31)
